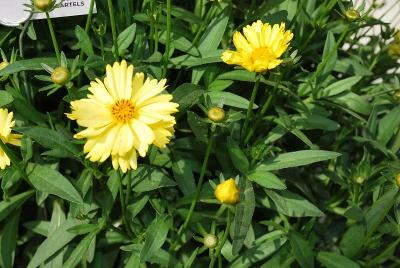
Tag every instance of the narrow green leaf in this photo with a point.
(8, 240)
(152, 178)
(266, 179)
(156, 235)
(243, 215)
(298, 158)
(5, 98)
(339, 87)
(53, 182)
(302, 250)
(229, 99)
(79, 252)
(84, 42)
(126, 37)
(293, 205)
(12, 203)
(237, 156)
(335, 260)
(388, 125)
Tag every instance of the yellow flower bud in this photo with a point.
(360, 179)
(396, 95)
(3, 65)
(227, 192)
(398, 180)
(43, 5)
(352, 14)
(394, 50)
(210, 241)
(216, 114)
(60, 75)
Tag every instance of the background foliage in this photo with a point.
(316, 171)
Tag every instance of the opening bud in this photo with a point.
(227, 192)
(210, 241)
(216, 114)
(352, 14)
(60, 76)
(43, 5)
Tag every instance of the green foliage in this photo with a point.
(316, 164)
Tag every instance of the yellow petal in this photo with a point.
(100, 93)
(90, 113)
(144, 134)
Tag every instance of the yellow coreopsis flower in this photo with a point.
(6, 123)
(123, 116)
(227, 192)
(260, 48)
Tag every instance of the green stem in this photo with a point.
(198, 190)
(123, 206)
(53, 38)
(168, 40)
(223, 240)
(113, 28)
(251, 104)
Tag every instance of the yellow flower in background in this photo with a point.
(123, 116)
(227, 192)
(260, 47)
(6, 123)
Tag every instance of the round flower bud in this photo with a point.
(60, 75)
(210, 241)
(43, 5)
(396, 95)
(3, 65)
(394, 50)
(216, 114)
(352, 14)
(360, 179)
(227, 192)
(398, 180)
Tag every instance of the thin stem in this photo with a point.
(198, 189)
(113, 28)
(168, 40)
(223, 240)
(251, 104)
(53, 38)
(123, 206)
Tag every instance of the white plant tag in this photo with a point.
(13, 13)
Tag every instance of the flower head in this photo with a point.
(60, 75)
(260, 47)
(123, 116)
(43, 5)
(6, 123)
(216, 114)
(227, 192)
(352, 14)
(210, 241)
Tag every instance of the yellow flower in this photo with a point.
(260, 47)
(6, 123)
(123, 116)
(227, 192)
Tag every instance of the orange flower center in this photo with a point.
(123, 110)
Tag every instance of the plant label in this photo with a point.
(13, 13)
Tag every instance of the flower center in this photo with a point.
(123, 110)
(262, 54)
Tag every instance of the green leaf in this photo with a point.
(12, 203)
(237, 156)
(79, 252)
(388, 125)
(293, 205)
(134, 209)
(28, 65)
(5, 98)
(187, 95)
(378, 211)
(265, 178)
(329, 55)
(8, 240)
(243, 215)
(151, 178)
(183, 174)
(156, 234)
(50, 181)
(302, 250)
(198, 126)
(298, 158)
(229, 99)
(84, 42)
(51, 139)
(339, 87)
(352, 240)
(353, 102)
(260, 251)
(335, 260)
(56, 240)
(126, 37)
